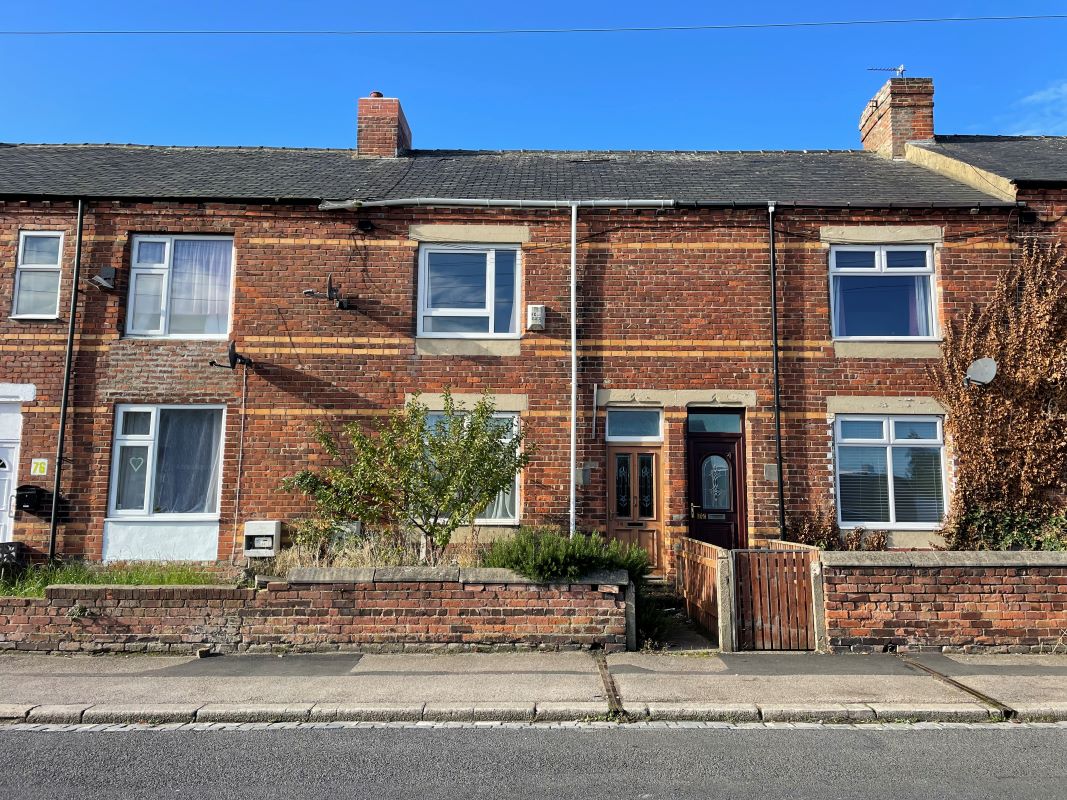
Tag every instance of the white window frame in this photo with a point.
(149, 440)
(880, 268)
(888, 440)
(21, 268)
(610, 437)
(489, 311)
(164, 270)
(515, 423)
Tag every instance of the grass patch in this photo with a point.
(31, 582)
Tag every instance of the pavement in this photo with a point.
(532, 687)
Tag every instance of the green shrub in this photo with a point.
(31, 582)
(543, 554)
(980, 529)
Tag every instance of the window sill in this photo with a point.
(163, 518)
(435, 346)
(192, 337)
(887, 348)
(35, 317)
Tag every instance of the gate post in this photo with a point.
(818, 602)
(725, 595)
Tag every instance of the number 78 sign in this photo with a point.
(39, 467)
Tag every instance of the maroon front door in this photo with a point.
(716, 465)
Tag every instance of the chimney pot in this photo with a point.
(901, 112)
(376, 94)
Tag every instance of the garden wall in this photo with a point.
(953, 601)
(401, 608)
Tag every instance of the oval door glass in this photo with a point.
(717, 494)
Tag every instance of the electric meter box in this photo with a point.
(263, 538)
(535, 318)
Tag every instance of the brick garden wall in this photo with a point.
(970, 602)
(382, 609)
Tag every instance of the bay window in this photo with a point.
(890, 471)
(166, 462)
(468, 291)
(882, 292)
(180, 286)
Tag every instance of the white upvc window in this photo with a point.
(37, 274)
(504, 510)
(181, 287)
(469, 291)
(880, 292)
(638, 425)
(890, 471)
(167, 462)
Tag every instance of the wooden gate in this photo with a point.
(773, 602)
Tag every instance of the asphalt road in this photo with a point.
(537, 763)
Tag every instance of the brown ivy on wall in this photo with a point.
(1010, 437)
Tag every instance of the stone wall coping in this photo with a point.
(946, 558)
(302, 575)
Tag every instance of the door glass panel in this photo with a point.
(715, 481)
(622, 485)
(646, 485)
(714, 423)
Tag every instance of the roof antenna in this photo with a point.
(899, 70)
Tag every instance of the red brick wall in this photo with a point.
(1003, 608)
(314, 617)
(669, 300)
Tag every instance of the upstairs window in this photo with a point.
(468, 292)
(180, 287)
(890, 471)
(882, 292)
(37, 275)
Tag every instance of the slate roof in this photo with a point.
(825, 178)
(1022, 159)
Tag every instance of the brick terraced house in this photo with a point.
(656, 416)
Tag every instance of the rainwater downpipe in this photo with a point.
(572, 504)
(68, 370)
(776, 372)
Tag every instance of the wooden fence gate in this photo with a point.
(773, 601)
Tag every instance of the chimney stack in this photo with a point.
(382, 131)
(902, 111)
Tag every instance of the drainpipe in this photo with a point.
(67, 373)
(775, 369)
(574, 369)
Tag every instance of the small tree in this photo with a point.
(1010, 437)
(423, 475)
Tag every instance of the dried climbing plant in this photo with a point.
(1009, 438)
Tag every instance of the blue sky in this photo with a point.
(761, 89)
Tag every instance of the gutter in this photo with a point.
(68, 370)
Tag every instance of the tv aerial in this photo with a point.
(332, 294)
(233, 358)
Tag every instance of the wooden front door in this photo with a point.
(716, 489)
(634, 505)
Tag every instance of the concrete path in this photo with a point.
(533, 686)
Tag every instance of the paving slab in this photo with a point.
(171, 712)
(774, 679)
(10, 711)
(1011, 679)
(334, 679)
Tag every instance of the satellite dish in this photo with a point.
(233, 358)
(981, 372)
